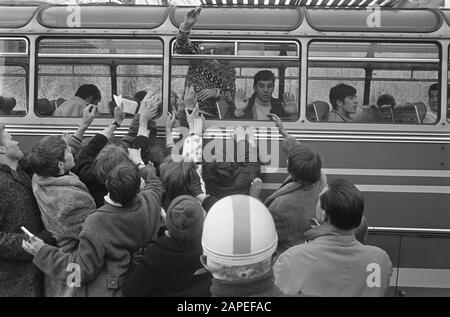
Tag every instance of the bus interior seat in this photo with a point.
(44, 107)
(410, 113)
(367, 114)
(317, 111)
(386, 113)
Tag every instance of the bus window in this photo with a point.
(448, 94)
(372, 82)
(133, 80)
(238, 80)
(75, 72)
(14, 63)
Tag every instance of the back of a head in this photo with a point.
(263, 75)
(89, 90)
(175, 176)
(239, 239)
(343, 203)
(7, 104)
(123, 183)
(184, 219)
(340, 92)
(386, 99)
(109, 157)
(304, 164)
(46, 154)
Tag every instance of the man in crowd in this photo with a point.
(333, 262)
(344, 102)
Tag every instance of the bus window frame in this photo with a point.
(360, 59)
(94, 57)
(26, 68)
(297, 59)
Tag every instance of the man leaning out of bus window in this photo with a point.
(333, 262)
(261, 103)
(85, 95)
(344, 102)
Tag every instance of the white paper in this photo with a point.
(129, 106)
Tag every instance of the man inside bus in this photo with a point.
(261, 103)
(344, 101)
(73, 107)
(208, 81)
(434, 95)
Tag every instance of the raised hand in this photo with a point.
(290, 103)
(240, 102)
(190, 98)
(207, 93)
(191, 18)
(88, 115)
(119, 114)
(171, 119)
(278, 123)
(149, 106)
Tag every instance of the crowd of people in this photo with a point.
(128, 219)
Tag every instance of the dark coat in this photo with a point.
(110, 236)
(292, 206)
(168, 269)
(84, 170)
(18, 207)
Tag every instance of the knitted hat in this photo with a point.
(184, 219)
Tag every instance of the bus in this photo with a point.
(396, 155)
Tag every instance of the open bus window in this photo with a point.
(14, 61)
(73, 73)
(372, 82)
(235, 80)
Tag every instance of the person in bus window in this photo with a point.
(261, 103)
(213, 81)
(344, 102)
(73, 107)
(433, 103)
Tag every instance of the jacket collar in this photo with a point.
(18, 175)
(329, 230)
(262, 285)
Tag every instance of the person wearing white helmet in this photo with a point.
(239, 240)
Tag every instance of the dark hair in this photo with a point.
(175, 177)
(304, 164)
(263, 75)
(46, 154)
(340, 92)
(7, 104)
(343, 203)
(386, 99)
(86, 91)
(139, 96)
(109, 157)
(434, 86)
(123, 183)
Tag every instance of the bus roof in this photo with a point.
(280, 18)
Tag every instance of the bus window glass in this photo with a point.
(14, 63)
(73, 73)
(13, 92)
(448, 94)
(133, 81)
(246, 81)
(373, 82)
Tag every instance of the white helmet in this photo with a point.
(239, 230)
